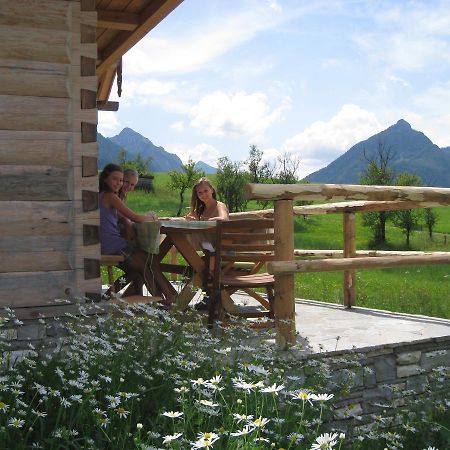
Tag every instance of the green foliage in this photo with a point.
(407, 219)
(286, 169)
(259, 172)
(181, 181)
(378, 173)
(230, 184)
(430, 218)
(141, 165)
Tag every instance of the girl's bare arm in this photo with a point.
(115, 202)
(223, 213)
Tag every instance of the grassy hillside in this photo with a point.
(419, 290)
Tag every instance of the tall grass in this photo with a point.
(417, 290)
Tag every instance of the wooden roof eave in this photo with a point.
(132, 28)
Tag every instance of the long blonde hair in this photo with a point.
(197, 206)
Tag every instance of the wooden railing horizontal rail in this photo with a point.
(347, 192)
(343, 207)
(305, 253)
(330, 265)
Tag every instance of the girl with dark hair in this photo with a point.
(111, 240)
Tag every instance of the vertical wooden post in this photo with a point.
(284, 284)
(173, 260)
(349, 225)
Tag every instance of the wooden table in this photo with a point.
(177, 233)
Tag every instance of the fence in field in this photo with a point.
(352, 199)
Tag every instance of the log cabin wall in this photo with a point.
(48, 152)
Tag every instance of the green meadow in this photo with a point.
(416, 289)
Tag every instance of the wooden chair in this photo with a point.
(237, 243)
(110, 261)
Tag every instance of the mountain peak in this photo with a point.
(129, 132)
(412, 152)
(402, 124)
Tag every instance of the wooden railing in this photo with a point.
(356, 198)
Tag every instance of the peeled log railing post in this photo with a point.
(349, 226)
(284, 283)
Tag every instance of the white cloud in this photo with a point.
(209, 36)
(273, 4)
(408, 36)
(401, 81)
(143, 91)
(434, 117)
(178, 126)
(322, 142)
(201, 152)
(270, 154)
(108, 125)
(185, 53)
(236, 114)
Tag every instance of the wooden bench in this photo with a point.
(110, 261)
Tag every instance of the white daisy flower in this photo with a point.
(171, 437)
(274, 389)
(246, 430)
(260, 422)
(208, 403)
(13, 422)
(321, 397)
(325, 441)
(172, 414)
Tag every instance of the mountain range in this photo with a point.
(134, 143)
(410, 150)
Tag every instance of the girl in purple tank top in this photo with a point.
(111, 241)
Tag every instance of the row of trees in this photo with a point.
(232, 176)
(138, 163)
(379, 172)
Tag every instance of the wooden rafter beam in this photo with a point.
(149, 18)
(105, 84)
(108, 106)
(117, 20)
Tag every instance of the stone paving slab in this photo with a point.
(325, 327)
(328, 327)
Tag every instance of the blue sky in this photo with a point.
(307, 77)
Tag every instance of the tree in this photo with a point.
(180, 181)
(407, 219)
(378, 172)
(430, 217)
(286, 169)
(259, 172)
(141, 165)
(121, 157)
(230, 184)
